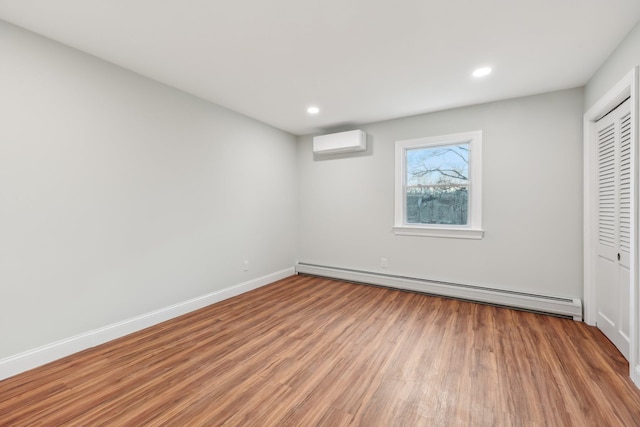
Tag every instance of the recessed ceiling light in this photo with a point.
(481, 72)
(313, 110)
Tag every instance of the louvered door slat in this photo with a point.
(624, 183)
(607, 186)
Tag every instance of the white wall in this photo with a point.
(618, 64)
(120, 195)
(532, 199)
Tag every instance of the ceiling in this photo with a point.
(359, 61)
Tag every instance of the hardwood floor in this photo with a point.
(307, 351)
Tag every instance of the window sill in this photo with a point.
(452, 233)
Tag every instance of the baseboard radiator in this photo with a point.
(556, 306)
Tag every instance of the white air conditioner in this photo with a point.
(343, 142)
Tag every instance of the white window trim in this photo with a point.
(471, 231)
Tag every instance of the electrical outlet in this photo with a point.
(245, 265)
(383, 263)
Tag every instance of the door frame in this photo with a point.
(625, 88)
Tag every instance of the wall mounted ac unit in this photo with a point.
(343, 142)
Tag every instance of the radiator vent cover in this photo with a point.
(547, 304)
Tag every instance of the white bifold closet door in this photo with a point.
(614, 219)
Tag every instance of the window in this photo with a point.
(438, 186)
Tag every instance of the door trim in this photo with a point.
(625, 88)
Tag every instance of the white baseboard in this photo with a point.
(30, 359)
(562, 306)
(635, 376)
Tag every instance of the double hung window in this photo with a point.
(438, 186)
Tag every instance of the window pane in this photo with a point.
(437, 205)
(443, 165)
(437, 184)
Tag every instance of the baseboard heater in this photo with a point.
(557, 306)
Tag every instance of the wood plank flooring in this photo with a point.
(308, 351)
